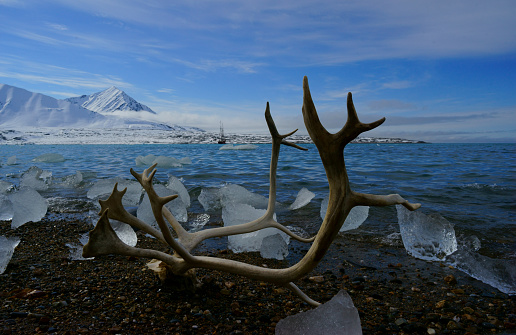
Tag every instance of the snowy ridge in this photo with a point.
(111, 108)
(21, 108)
(110, 101)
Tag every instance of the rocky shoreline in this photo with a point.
(44, 291)
(151, 136)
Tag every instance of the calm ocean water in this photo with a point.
(473, 186)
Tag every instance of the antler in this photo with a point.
(341, 200)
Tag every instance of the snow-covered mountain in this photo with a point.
(111, 108)
(110, 101)
(21, 108)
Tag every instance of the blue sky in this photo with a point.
(439, 71)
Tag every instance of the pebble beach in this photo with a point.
(44, 291)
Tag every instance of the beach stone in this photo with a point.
(452, 325)
(400, 322)
(450, 279)
(317, 279)
(440, 304)
(468, 310)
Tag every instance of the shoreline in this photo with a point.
(393, 292)
(85, 136)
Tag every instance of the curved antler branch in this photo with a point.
(341, 200)
(362, 199)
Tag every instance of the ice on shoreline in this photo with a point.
(428, 237)
(103, 188)
(36, 178)
(337, 316)
(303, 198)
(238, 213)
(355, 218)
(76, 248)
(7, 246)
(28, 205)
(176, 207)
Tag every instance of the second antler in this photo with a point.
(103, 240)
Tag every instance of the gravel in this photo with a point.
(44, 291)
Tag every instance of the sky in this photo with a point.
(439, 71)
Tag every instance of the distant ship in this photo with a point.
(222, 139)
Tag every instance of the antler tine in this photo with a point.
(118, 212)
(274, 131)
(353, 126)
(313, 124)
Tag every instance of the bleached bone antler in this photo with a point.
(342, 199)
(191, 240)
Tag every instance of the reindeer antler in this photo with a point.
(341, 200)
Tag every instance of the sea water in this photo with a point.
(472, 186)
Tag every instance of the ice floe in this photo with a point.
(238, 147)
(162, 161)
(49, 158)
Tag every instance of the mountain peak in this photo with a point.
(110, 101)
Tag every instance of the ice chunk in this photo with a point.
(162, 161)
(274, 246)
(28, 205)
(178, 188)
(238, 147)
(7, 245)
(176, 207)
(210, 199)
(73, 180)
(6, 208)
(236, 194)
(234, 214)
(76, 248)
(5, 187)
(499, 273)
(145, 160)
(337, 316)
(103, 188)
(11, 160)
(36, 178)
(50, 158)
(355, 218)
(124, 232)
(303, 198)
(199, 222)
(428, 237)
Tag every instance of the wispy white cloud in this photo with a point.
(57, 26)
(328, 31)
(59, 76)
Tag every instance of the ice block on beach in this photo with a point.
(337, 316)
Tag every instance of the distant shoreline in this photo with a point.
(52, 136)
